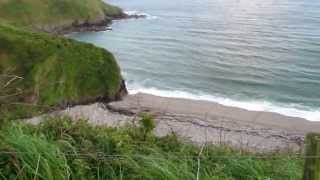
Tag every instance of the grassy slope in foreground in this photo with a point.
(54, 71)
(62, 149)
(50, 15)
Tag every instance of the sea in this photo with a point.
(261, 55)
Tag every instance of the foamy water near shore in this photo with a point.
(310, 115)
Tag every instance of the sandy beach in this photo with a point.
(202, 122)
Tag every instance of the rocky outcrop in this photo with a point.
(122, 92)
(99, 24)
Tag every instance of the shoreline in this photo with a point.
(196, 121)
(156, 103)
(253, 105)
(200, 122)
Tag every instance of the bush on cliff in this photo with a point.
(40, 71)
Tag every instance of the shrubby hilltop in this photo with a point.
(57, 15)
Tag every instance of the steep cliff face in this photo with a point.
(41, 72)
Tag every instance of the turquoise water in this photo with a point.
(254, 54)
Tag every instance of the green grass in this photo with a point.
(59, 148)
(42, 14)
(53, 71)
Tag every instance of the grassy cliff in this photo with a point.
(47, 15)
(40, 71)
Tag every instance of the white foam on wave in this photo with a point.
(311, 115)
(137, 13)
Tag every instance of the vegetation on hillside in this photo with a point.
(40, 14)
(51, 71)
(60, 148)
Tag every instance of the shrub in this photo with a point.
(147, 124)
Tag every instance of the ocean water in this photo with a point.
(255, 54)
